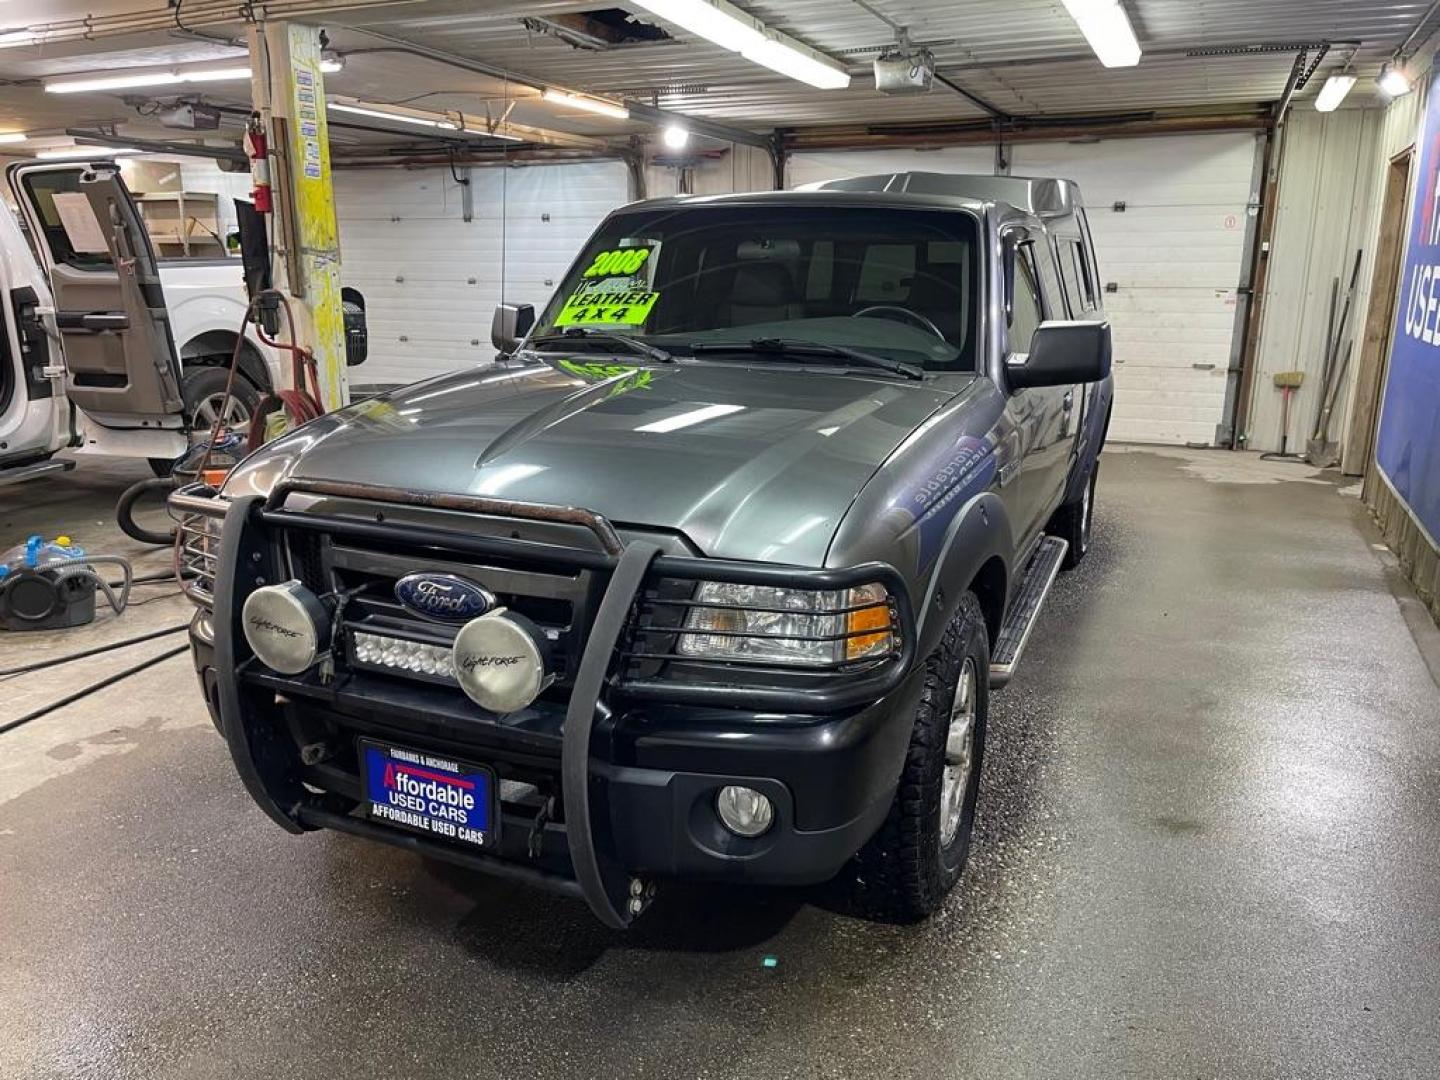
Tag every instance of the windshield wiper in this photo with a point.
(780, 347)
(585, 333)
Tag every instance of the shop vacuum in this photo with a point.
(51, 585)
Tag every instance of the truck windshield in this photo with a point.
(897, 283)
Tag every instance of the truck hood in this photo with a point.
(747, 461)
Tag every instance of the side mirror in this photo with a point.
(357, 336)
(510, 325)
(1062, 353)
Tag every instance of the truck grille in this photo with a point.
(556, 602)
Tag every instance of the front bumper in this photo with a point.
(601, 794)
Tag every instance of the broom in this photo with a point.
(1287, 382)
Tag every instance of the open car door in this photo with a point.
(121, 364)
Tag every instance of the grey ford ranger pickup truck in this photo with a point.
(708, 577)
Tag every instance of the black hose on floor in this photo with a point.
(56, 661)
(125, 512)
(109, 680)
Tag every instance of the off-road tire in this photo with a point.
(1075, 522)
(904, 873)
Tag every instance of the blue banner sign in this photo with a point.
(1408, 449)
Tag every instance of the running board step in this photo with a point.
(29, 472)
(1025, 608)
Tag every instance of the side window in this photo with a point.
(886, 273)
(1076, 269)
(1027, 310)
(1071, 284)
(43, 189)
(1052, 301)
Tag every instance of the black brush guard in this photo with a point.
(245, 556)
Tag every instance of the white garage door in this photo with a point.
(431, 279)
(1172, 257)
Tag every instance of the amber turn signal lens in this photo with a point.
(875, 618)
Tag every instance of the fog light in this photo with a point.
(500, 661)
(284, 625)
(744, 811)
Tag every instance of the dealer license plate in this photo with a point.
(429, 793)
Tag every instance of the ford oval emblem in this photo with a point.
(443, 596)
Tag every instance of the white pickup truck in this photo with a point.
(95, 361)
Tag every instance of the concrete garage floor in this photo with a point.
(1209, 847)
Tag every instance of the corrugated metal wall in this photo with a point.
(1327, 191)
(1396, 131)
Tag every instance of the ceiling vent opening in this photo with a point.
(604, 28)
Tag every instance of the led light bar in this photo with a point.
(1107, 28)
(151, 77)
(727, 26)
(403, 656)
(588, 104)
(1333, 92)
(12, 136)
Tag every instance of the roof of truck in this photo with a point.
(1042, 196)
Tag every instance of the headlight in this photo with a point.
(788, 626)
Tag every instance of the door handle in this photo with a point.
(95, 322)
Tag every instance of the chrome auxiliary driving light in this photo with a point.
(284, 626)
(500, 661)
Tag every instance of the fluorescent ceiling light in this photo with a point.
(84, 152)
(589, 104)
(798, 63)
(396, 113)
(1333, 92)
(1393, 81)
(9, 39)
(1107, 28)
(690, 419)
(12, 136)
(152, 77)
(727, 26)
(675, 136)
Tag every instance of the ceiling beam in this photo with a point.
(160, 146)
(638, 110)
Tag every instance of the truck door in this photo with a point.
(121, 364)
(1035, 411)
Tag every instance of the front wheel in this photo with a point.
(904, 873)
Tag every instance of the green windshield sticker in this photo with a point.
(601, 307)
(622, 262)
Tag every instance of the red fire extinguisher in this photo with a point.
(257, 151)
